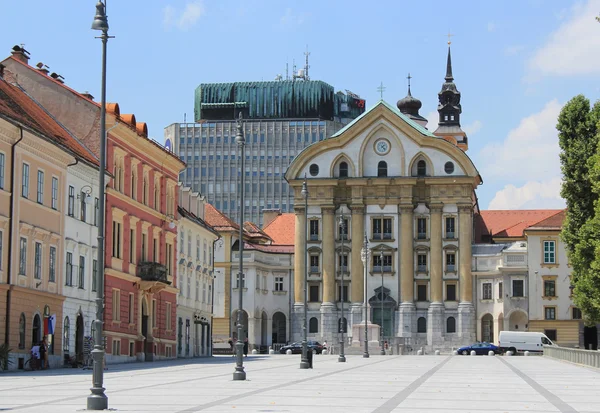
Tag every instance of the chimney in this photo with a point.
(43, 68)
(87, 95)
(57, 77)
(269, 216)
(21, 54)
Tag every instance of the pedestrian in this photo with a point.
(246, 347)
(44, 353)
(35, 357)
(231, 347)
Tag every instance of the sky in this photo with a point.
(515, 62)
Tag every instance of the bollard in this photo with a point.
(454, 353)
(271, 351)
(509, 353)
(437, 352)
(491, 353)
(288, 352)
(254, 351)
(526, 353)
(473, 353)
(419, 352)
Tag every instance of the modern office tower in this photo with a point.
(281, 118)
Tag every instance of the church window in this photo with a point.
(421, 168)
(342, 325)
(422, 292)
(313, 293)
(445, 117)
(451, 325)
(421, 325)
(449, 167)
(314, 169)
(343, 169)
(382, 169)
(313, 325)
(451, 117)
(314, 229)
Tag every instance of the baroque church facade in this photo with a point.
(410, 193)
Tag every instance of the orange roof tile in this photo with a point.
(20, 107)
(282, 229)
(218, 220)
(553, 222)
(254, 231)
(508, 223)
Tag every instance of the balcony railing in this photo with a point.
(152, 271)
(386, 268)
(377, 235)
(515, 260)
(314, 269)
(450, 234)
(314, 237)
(450, 267)
(422, 268)
(422, 235)
(387, 235)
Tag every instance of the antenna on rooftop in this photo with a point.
(293, 69)
(306, 66)
(287, 71)
(184, 118)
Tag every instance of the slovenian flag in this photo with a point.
(51, 323)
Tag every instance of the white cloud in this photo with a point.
(432, 120)
(472, 128)
(532, 195)
(292, 19)
(491, 26)
(529, 152)
(513, 50)
(184, 19)
(573, 49)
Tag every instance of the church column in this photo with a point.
(435, 313)
(466, 311)
(328, 317)
(406, 322)
(299, 256)
(358, 232)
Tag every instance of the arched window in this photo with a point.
(451, 325)
(313, 325)
(342, 325)
(66, 335)
(343, 169)
(36, 330)
(22, 327)
(421, 325)
(382, 169)
(421, 168)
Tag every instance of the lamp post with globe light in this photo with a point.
(364, 256)
(381, 299)
(342, 323)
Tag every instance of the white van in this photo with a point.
(523, 341)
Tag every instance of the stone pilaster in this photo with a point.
(358, 232)
(300, 256)
(435, 324)
(436, 254)
(298, 322)
(328, 255)
(465, 238)
(407, 322)
(406, 255)
(328, 322)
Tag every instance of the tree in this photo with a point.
(580, 165)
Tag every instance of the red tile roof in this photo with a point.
(553, 222)
(508, 223)
(15, 104)
(218, 220)
(282, 229)
(254, 231)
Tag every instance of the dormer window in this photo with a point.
(343, 169)
(421, 168)
(382, 169)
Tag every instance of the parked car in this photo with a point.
(479, 348)
(297, 347)
(523, 341)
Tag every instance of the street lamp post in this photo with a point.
(239, 373)
(304, 364)
(342, 323)
(382, 347)
(364, 255)
(98, 400)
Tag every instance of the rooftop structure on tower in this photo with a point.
(410, 106)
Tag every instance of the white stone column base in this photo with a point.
(435, 324)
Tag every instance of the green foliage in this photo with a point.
(4, 353)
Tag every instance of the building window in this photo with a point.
(94, 275)
(450, 234)
(487, 291)
(278, 283)
(576, 313)
(551, 334)
(550, 313)
(198, 249)
(343, 293)
(66, 335)
(385, 266)
(145, 191)
(25, 181)
(144, 247)
(22, 329)
(169, 260)
(343, 169)
(54, 204)
(314, 169)
(517, 288)
(71, 203)
(132, 246)
(153, 313)
(189, 244)
(81, 272)
(37, 272)
(116, 305)
(133, 183)
(314, 263)
(168, 316)
(2, 164)
(83, 206)
(422, 325)
(69, 270)
(421, 228)
(314, 230)
(343, 229)
(450, 292)
(449, 167)
(382, 169)
(116, 347)
(422, 292)
(343, 262)
(52, 265)
(451, 262)
(96, 210)
(500, 290)
(23, 256)
(450, 325)
(131, 308)
(156, 196)
(549, 288)
(422, 262)
(382, 228)
(549, 252)
(313, 293)
(421, 168)
(116, 244)
(40, 187)
(237, 280)
(313, 325)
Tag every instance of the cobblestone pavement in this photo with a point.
(379, 384)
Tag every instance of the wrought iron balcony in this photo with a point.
(152, 271)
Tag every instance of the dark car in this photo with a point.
(479, 348)
(297, 347)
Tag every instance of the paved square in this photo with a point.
(275, 384)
